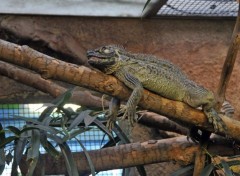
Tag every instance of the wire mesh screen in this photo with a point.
(92, 139)
(208, 8)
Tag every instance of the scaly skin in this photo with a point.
(139, 71)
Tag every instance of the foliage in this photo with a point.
(211, 167)
(53, 132)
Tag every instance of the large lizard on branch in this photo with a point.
(139, 71)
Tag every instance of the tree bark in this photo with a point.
(177, 149)
(80, 97)
(229, 62)
(52, 68)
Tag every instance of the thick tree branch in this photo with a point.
(29, 78)
(84, 98)
(52, 68)
(177, 149)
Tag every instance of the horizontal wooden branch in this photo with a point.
(84, 98)
(52, 68)
(162, 123)
(177, 149)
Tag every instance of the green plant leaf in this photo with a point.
(46, 113)
(7, 141)
(182, 171)
(2, 160)
(60, 101)
(226, 168)
(63, 99)
(48, 129)
(27, 130)
(33, 152)
(2, 133)
(89, 119)
(81, 116)
(15, 130)
(47, 121)
(111, 142)
(57, 139)
(118, 131)
(88, 158)
(26, 119)
(69, 161)
(50, 149)
(207, 170)
(32, 166)
(20, 146)
(103, 128)
(63, 125)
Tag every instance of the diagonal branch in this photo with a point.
(223, 84)
(52, 68)
(29, 78)
(162, 123)
(229, 62)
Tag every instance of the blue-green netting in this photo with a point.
(92, 140)
(208, 8)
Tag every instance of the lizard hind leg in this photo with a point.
(215, 119)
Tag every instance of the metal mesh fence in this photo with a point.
(92, 139)
(207, 8)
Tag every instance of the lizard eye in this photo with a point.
(106, 51)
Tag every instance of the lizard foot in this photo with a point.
(213, 118)
(110, 124)
(130, 114)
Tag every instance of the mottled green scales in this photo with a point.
(138, 71)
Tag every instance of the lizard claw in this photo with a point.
(110, 124)
(215, 119)
(130, 114)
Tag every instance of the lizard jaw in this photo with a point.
(93, 60)
(100, 62)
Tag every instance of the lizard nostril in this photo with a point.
(89, 53)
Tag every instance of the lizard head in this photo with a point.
(106, 58)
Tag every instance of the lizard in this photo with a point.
(139, 71)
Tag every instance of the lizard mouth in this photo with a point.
(100, 62)
(93, 60)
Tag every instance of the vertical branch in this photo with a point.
(199, 161)
(229, 62)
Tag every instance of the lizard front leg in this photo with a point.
(133, 83)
